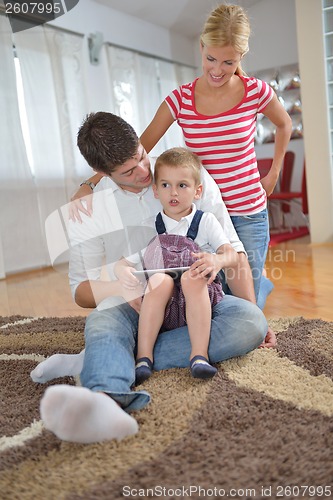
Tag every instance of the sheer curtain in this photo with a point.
(51, 63)
(20, 226)
(55, 101)
(40, 170)
(171, 76)
(139, 84)
(123, 84)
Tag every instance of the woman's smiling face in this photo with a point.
(219, 64)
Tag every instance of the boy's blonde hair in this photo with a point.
(227, 25)
(179, 157)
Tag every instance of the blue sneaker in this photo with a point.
(200, 367)
(143, 370)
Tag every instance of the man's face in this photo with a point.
(135, 174)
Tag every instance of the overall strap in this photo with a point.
(159, 224)
(194, 227)
(192, 231)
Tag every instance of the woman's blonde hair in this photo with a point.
(227, 25)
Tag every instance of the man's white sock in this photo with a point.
(58, 365)
(80, 415)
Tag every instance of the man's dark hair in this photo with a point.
(106, 141)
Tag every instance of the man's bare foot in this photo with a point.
(270, 339)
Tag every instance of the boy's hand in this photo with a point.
(206, 266)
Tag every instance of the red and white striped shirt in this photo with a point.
(225, 143)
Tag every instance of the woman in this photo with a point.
(217, 113)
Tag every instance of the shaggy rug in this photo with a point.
(262, 428)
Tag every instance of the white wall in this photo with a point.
(128, 31)
(274, 43)
(273, 40)
(89, 17)
(315, 119)
(285, 32)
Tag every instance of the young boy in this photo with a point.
(187, 238)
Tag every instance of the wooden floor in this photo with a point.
(303, 277)
(302, 274)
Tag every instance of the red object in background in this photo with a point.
(285, 183)
(287, 198)
(264, 164)
(288, 235)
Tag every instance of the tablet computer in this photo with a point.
(174, 272)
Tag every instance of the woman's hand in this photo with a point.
(83, 194)
(269, 182)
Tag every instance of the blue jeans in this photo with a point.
(238, 327)
(253, 231)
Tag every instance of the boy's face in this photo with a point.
(176, 189)
(135, 174)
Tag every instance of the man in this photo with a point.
(123, 203)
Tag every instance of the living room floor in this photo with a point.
(301, 272)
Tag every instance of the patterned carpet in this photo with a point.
(262, 428)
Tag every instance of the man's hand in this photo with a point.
(270, 339)
(132, 296)
(136, 304)
(127, 278)
(124, 272)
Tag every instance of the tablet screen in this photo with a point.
(174, 272)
